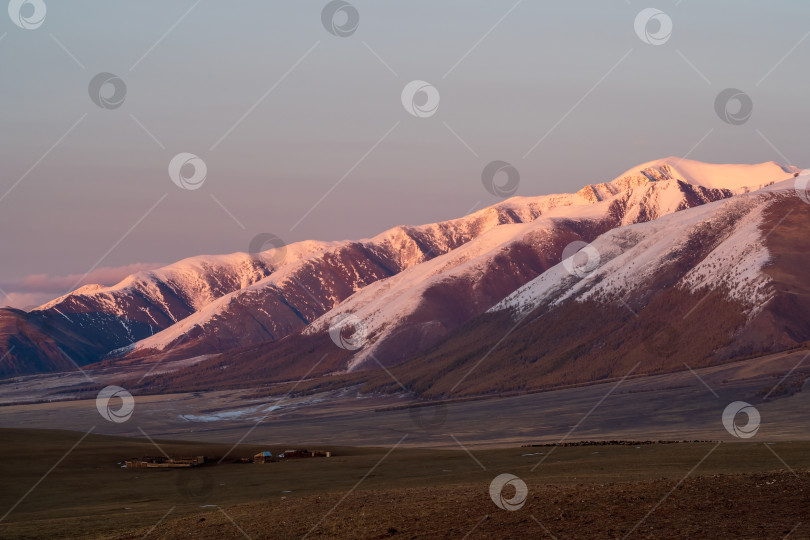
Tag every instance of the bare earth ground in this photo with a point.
(715, 507)
(405, 472)
(716, 490)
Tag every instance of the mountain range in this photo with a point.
(674, 264)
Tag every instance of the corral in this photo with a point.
(298, 453)
(267, 457)
(163, 462)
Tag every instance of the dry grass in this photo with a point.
(583, 492)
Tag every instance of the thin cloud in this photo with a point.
(36, 289)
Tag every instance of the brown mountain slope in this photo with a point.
(216, 303)
(444, 304)
(411, 285)
(662, 328)
(658, 325)
(35, 342)
(435, 298)
(293, 298)
(251, 315)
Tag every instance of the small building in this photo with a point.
(264, 457)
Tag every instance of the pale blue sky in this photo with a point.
(331, 109)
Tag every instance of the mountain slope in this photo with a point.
(412, 285)
(430, 316)
(697, 288)
(297, 294)
(411, 311)
(28, 346)
(147, 302)
(304, 280)
(283, 304)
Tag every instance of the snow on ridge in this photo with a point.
(208, 312)
(737, 263)
(631, 255)
(397, 240)
(194, 275)
(190, 274)
(652, 187)
(397, 297)
(376, 313)
(382, 304)
(387, 300)
(664, 202)
(739, 178)
(631, 252)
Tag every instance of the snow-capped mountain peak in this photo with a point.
(738, 178)
(412, 284)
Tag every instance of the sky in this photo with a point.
(305, 134)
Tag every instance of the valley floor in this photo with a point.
(686, 405)
(405, 469)
(678, 490)
(753, 506)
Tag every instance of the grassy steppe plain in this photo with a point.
(741, 490)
